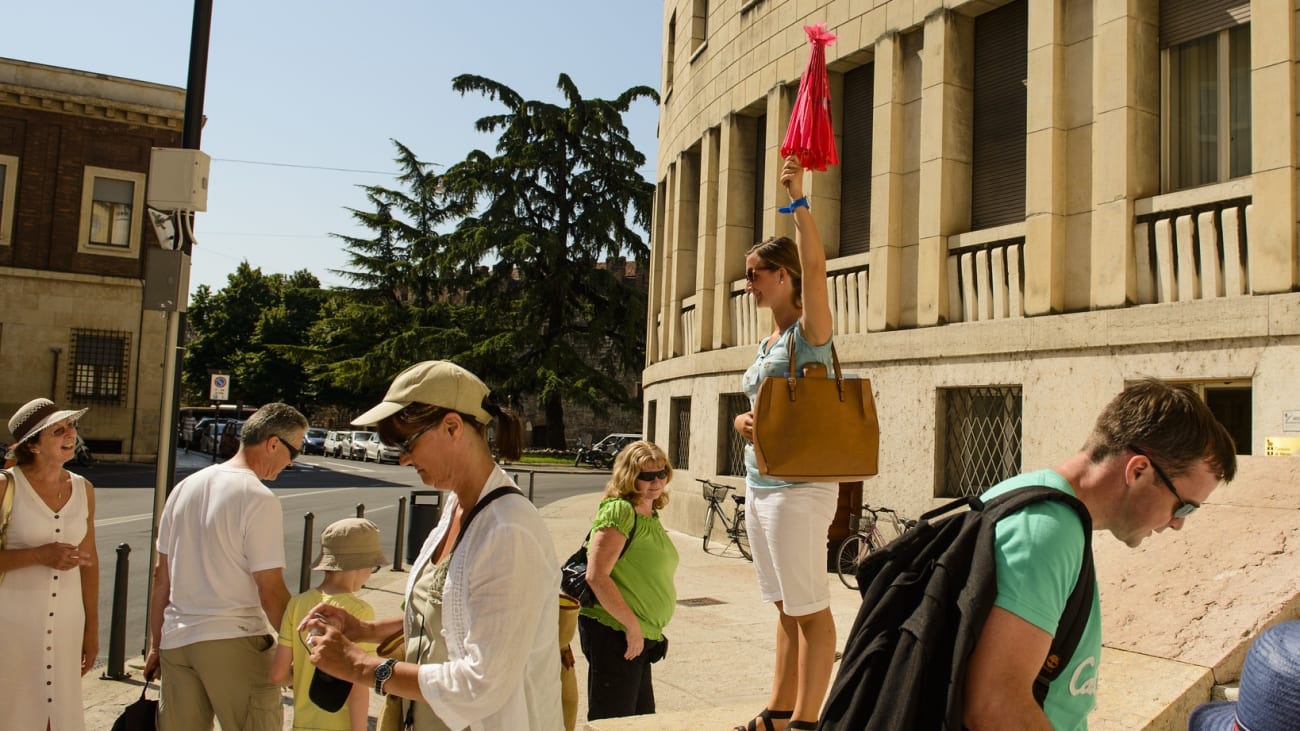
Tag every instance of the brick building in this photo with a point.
(74, 238)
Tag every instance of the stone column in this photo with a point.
(735, 223)
(1273, 260)
(1045, 176)
(887, 152)
(706, 269)
(947, 102)
(685, 228)
(1125, 131)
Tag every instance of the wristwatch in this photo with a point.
(382, 674)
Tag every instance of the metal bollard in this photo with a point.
(531, 476)
(361, 510)
(116, 669)
(401, 534)
(308, 533)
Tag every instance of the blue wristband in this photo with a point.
(798, 203)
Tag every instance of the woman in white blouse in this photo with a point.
(481, 612)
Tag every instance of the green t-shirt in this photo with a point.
(644, 575)
(307, 715)
(1039, 551)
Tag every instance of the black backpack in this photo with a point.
(925, 598)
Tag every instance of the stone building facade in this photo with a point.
(74, 238)
(1038, 202)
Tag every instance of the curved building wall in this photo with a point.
(1031, 211)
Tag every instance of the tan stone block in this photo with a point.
(1143, 160)
(956, 195)
(932, 281)
(1110, 67)
(1078, 169)
(1077, 94)
(901, 14)
(873, 25)
(1109, 156)
(1272, 237)
(908, 144)
(1143, 69)
(1272, 34)
(1078, 22)
(1077, 262)
(1043, 100)
(1046, 24)
(1273, 117)
(1044, 171)
(883, 291)
(1112, 267)
(886, 222)
(1044, 265)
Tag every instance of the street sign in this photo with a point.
(220, 390)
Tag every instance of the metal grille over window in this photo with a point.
(98, 366)
(733, 459)
(679, 440)
(981, 433)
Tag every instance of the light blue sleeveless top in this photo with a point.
(774, 362)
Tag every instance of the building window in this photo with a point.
(855, 162)
(112, 205)
(670, 52)
(1230, 402)
(999, 128)
(8, 197)
(732, 459)
(759, 153)
(651, 418)
(679, 433)
(979, 429)
(699, 24)
(99, 366)
(1206, 108)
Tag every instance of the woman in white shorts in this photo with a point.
(787, 522)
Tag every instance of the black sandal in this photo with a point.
(766, 716)
(802, 726)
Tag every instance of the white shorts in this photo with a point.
(787, 535)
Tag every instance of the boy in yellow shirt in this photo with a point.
(350, 553)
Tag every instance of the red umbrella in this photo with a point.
(809, 135)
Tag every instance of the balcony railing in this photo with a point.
(690, 325)
(986, 274)
(846, 285)
(1192, 244)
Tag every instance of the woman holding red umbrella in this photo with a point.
(787, 522)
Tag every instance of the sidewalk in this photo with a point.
(1175, 611)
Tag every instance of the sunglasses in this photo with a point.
(1184, 508)
(293, 451)
(409, 443)
(749, 271)
(652, 476)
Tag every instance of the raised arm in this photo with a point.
(815, 322)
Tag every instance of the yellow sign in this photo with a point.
(1281, 446)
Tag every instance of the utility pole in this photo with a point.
(195, 87)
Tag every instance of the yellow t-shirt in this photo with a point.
(307, 715)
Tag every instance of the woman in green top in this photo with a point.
(631, 562)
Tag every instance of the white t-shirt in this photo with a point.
(220, 526)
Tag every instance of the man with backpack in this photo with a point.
(990, 618)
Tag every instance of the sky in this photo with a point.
(304, 98)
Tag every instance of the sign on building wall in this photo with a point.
(1281, 446)
(1290, 421)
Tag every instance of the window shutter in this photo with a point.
(1185, 20)
(998, 132)
(855, 160)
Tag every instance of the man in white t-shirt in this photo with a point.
(218, 592)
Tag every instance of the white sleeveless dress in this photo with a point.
(42, 618)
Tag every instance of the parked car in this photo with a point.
(377, 451)
(602, 453)
(356, 445)
(336, 443)
(205, 437)
(313, 442)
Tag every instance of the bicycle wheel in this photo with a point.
(846, 564)
(708, 525)
(742, 536)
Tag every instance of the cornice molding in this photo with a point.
(86, 106)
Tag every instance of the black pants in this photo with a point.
(615, 687)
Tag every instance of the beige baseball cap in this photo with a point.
(434, 382)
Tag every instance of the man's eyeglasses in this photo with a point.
(652, 476)
(749, 271)
(293, 451)
(1184, 508)
(409, 443)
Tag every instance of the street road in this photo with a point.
(328, 488)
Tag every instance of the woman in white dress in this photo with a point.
(50, 587)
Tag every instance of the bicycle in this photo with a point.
(865, 538)
(733, 527)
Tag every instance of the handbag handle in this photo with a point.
(791, 374)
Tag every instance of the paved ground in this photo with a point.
(1178, 612)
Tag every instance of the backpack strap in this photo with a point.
(482, 503)
(1078, 607)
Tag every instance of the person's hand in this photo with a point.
(330, 651)
(336, 617)
(792, 177)
(152, 665)
(89, 650)
(61, 556)
(744, 425)
(635, 641)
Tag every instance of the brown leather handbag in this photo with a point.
(814, 428)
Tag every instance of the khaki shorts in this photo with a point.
(222, 678)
